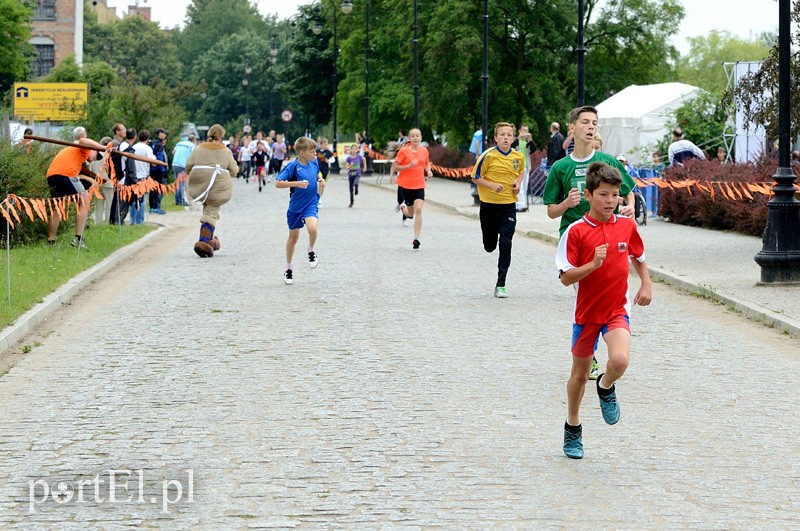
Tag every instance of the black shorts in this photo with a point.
(61, 186)
(409, 195)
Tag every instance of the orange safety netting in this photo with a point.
(44, 208)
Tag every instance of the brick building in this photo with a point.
(56, 32)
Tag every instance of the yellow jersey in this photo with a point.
(498, 167)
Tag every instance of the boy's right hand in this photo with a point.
(573, 198)
(496, 187)
(600, 254)
(301, 184)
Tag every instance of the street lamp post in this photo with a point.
(346, 6)
(581, 49)
(366, 72)
(416, 69)
(273, 58)
(779, 257)
(485, 76)
(246, 83)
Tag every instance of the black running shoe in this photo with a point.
(415, 244)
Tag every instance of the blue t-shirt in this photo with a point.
(300, 198)
(476, 146)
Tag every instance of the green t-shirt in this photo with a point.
(570, 173)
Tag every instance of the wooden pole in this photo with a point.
(84, 146)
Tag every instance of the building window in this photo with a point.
(45, 60)
(45, 9)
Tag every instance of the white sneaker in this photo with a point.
(312, 259)
(405, 223)
(287, 277)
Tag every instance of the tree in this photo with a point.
(702, 121)
(628, 44)
(15, 53)
(757, 93)
(221, 70)
(134, 46)
(702, 66)
(209, 21)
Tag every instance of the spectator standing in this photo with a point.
(158, 173)
(555, 149)
(126, 175)
(681, 149)
(143, 149)
(63, 178)
(180, 154)
(525, 144)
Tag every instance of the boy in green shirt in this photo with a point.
(563, 190)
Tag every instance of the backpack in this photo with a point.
(129, 166)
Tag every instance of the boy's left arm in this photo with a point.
(645, 293)
(518, 181)
(320, 184)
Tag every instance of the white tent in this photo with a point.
(637, 117)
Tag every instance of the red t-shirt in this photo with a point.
(603, 294)
(68, 162)
(413, 178)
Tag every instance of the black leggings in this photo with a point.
(498, 223)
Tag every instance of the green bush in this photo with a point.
(23, 173)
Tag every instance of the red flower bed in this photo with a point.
(691, 206)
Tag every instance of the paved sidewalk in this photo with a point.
(717, 265)
(387, 388)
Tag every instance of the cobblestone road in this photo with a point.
(386, 388)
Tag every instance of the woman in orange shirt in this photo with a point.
(412, 165)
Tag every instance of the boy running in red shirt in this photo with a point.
(594, 252)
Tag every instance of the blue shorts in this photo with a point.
(585, 336)
(297, 219)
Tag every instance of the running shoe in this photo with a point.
(415, 243)
(405, 222)
(312, 259)
(287, 277)
(573, 443)
(397, 208)
(608, 402)
(78, 243)
(595, 370)
(500, 292)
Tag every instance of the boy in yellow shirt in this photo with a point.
(498, 175)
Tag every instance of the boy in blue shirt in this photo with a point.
(306, 185)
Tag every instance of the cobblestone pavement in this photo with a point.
(386, 388)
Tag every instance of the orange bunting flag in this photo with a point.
(6, 215)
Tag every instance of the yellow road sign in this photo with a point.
(57, 102)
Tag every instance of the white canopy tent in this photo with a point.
(637, 116)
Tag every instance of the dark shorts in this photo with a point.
(61, 186)
(297, 219)
(585, 336)
(410, 195)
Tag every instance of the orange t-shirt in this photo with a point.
(413, 178)
(68, 162)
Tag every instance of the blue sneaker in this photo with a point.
(608, 402)
(573, 443)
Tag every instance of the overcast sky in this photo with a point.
(745, 18)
